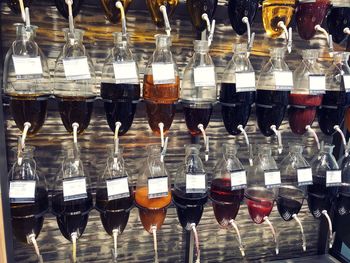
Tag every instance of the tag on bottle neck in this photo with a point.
(158, 187)
(76, 68)
(333, 178)
(27, 67)
(117, 188)
(125, 72)
(245, 81)
(195, 183)
(163, 73)
(272, 178)
(22, 191)
(283, 80)
(317, 84)
(304, 176)
(74, 188)
(238, 180)
(204, 76)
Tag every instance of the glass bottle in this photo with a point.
(336, 99)
(161, 85)
(237, 103)
(275, 11)
(197, 8)
(111, 11)
(14, 5)
(338, 19)
(271, 104)
(237, 9)
(62, 7)
(74, 83)
(343, 197)
(120, 85)
(156, 14)
(198, 88)
(114, 196)
(227, 189)
(27, 79)
(308, 15)
(29, 207)
(303, 101)
(72, 198)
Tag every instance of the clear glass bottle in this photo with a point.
(120, 85)
(74, 82)
(343, 198)
(237, 9)
(237, 103)
(161, 85)
(338, 19)
(304, 101)
(26, 79)
(27, 210)
(271, 104)
(275, 11)
(308, 15)
(336, 99)
(111, 11)
(197, 8)
(62, 7)
(198, 88)
(156, 14)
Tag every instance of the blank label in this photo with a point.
(125, 72)
(272, 178)
(27, 67)
(74, 189)
(204, 77)
(283, 80)
(333, 178)
(117, 188)
(346, 79)
(317, 84)
(245, 81)
(163, 73)
(304, 176)
(158, 187)
(22, 191)
(238, 180)
(195, 183)
(76, 68)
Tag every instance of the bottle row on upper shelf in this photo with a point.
(324, 183)
(308, 14)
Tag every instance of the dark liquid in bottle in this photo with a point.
(114, 214)
(28, 109)
(226, 202)
(308, 15)
(111, 11)
(197, 115)
(302, 111)
(189, 207)
(158, 113)
(197, 7)
(122, 107)
(337, 20)
(332, 111)
(270, 109)
(287, 207)
(72, 216)
(343, 204)
(318, 199)
(237, 9)
(236, 107)
(62, 7)
(14, 5)
(28, 218)
(75, 109)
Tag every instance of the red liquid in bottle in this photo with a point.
(195, 116)
(302, 111)
(226, 202)
(308, 15)
(259, 208)
(158, 113)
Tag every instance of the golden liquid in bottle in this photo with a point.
(160, 93)
(273, 12)
(157, 16)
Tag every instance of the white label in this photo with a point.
(238, 180)
(117, 188)
(346, 79)
(74, 189)
(333, 178)
(284, 80)
(195, 183)
(125, 72)
(76, 68)
(163, 73)
(317, 84)
(304, 176)
(272, 178)
(157, 187)
(27, 67)
(204, 76)
(245, 81)
(22, 191)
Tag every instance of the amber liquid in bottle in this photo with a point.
(111, 11)
(275, 11)
(28, 108)
(152, 211)
(157, 16)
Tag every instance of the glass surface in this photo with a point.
(237, 9)
(197, 7)
(111, 11)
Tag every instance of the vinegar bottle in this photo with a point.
(112, 12)
(338, 19)
(196, 10)
(120, 86)
(153, 8)
(63, 8)
(15, 6)
(27, 80)
(161, 85)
